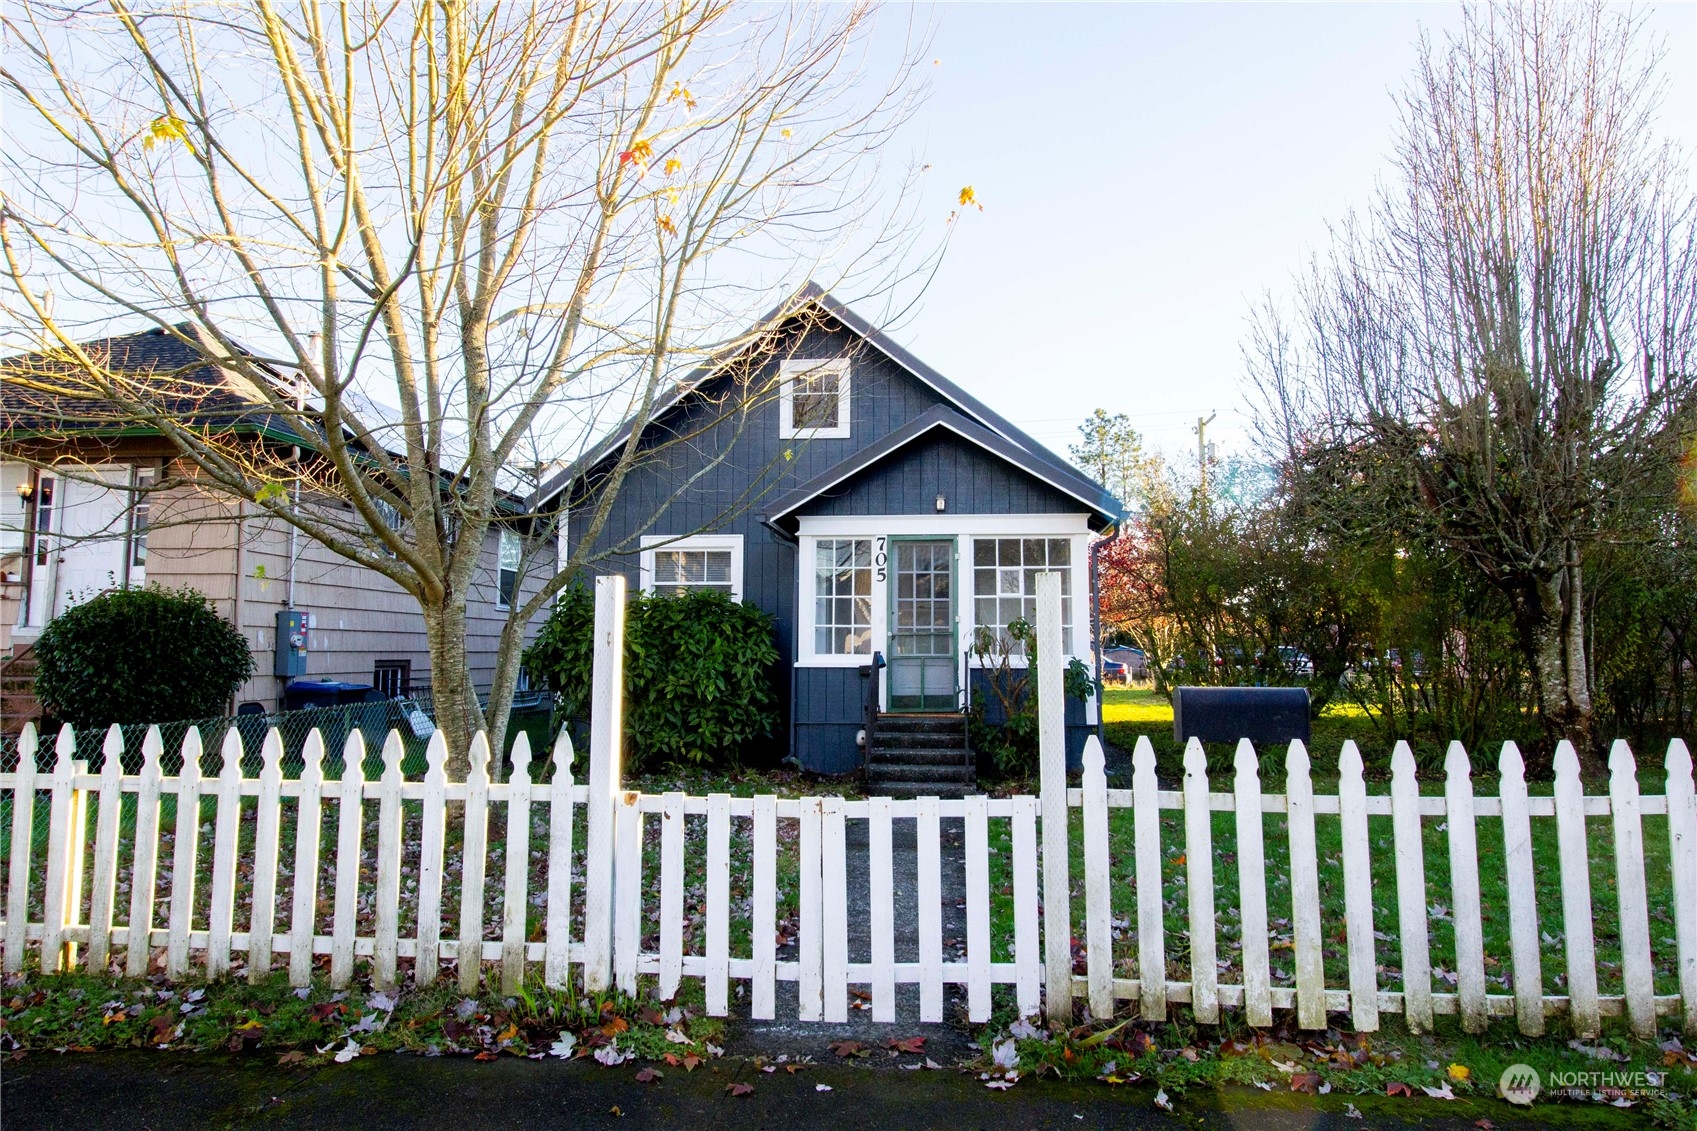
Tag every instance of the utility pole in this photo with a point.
(1202, 448)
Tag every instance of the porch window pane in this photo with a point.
(842, 581)
(1008, 592)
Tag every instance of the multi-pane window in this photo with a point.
(682, 571)
(138, 517)
(842, 587)
(511, 553)
(392, 678)
(1004, 582)
(814, 399)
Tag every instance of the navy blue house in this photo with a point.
(871, 507)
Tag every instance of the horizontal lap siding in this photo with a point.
(829, 712)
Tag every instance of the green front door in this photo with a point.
(922, 661)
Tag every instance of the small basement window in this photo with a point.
(813, 399)
(688, 564)
(392, 678)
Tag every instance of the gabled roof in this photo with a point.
(40, 395)
(1054, 469)
(1103, 506)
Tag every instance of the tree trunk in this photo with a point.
(1553, 631)
(458, 714)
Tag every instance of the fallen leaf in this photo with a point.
(487, 1056)
(1350, 1111)
(1000, 1085)
(739, 1089)
(563, 1047)
(821, 1087)
(1484, 1125)
(1398, 1088)
(792, 1069)
(1161, 1100)
(1440, 1093)
(677, 1038)
(846, 1048)
(1460, 1073)
(906, 1044)
(295, 1057)
(616, 1112)
(1306, 1082)
(346, 1054)
(690, 1062)
(649, 1076)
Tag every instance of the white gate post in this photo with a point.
(1052, 752)
(606, 744)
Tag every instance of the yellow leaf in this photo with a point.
(681, 93)
(786, 131)
(667, 226)
(167, 127)
(1460, 1073)
(969, 198)
(639, 154)
(673, 166)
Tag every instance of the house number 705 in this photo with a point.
(880, 559)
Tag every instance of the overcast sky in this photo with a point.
(1147, 171)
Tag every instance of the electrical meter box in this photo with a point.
(291, 643)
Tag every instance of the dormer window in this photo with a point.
(813, 399)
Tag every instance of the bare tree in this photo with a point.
(511, 224)
(1503, 348)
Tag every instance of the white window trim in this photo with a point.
(652, 542)
(806, 613)
(787, 372)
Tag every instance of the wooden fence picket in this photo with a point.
(1199, 884)
(226, 846)
(303, 915)
(671, 894)
(105, 878)
(1411, 891)
(556, 967)
(927, 831)
(144, 868)
(1463, 835)
(1356, 850)
(1027, 955)
(515, 895)
(977, 846)
(1098, 887)
(1052, 767)
(1252, 889)
(65, 834)
(1304, 890)
(385, 945)
(833, 910)
(515, 906)
(627, 891)
(763, 928)
(1525, 961)
(1584, 1011)
(432, 838)
(719, 903)
(183, 860)
(1682, 858)
(809, 992)
(23, 834)
(350, 828)
(267, 829)
(473, 861)
(1151, 911)
(1637, 974)
(881, 908)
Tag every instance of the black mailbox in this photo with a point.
(1226, 714)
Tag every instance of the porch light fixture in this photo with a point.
(26, 489)
(942, 504)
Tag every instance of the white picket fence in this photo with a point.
(81, 924)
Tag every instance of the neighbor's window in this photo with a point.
(842, 588)
(144, 478)
(511, 552)
(1004, 582)
(685, 565)
(392, 678)
(814, 399)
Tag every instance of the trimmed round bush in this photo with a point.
(140, 656)
(698, 674)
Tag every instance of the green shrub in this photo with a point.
(140, 656)
(698, 674)
(1009, 739)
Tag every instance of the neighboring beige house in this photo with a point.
(76, 520)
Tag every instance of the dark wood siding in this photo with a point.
(829, 712)
(971, 481)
